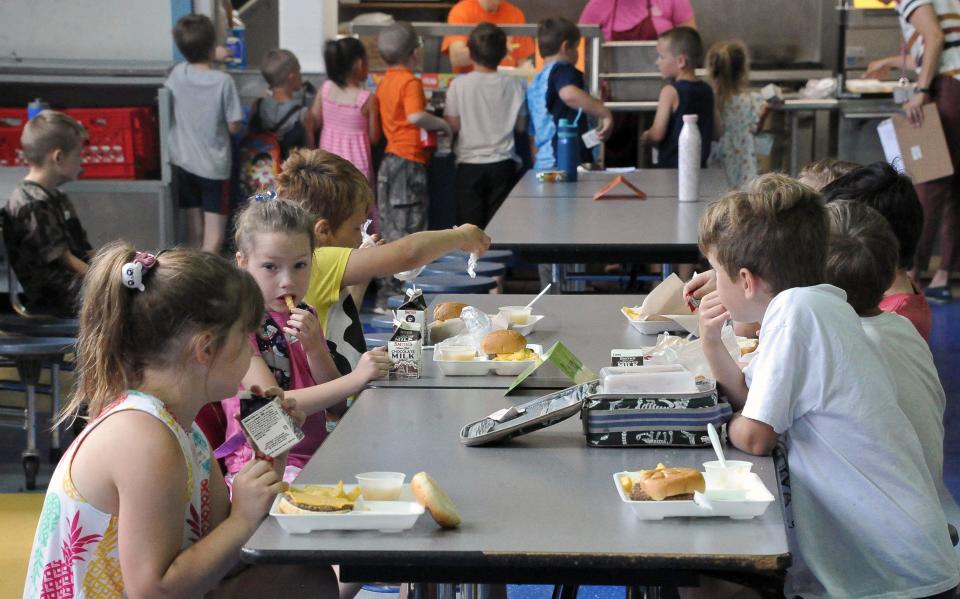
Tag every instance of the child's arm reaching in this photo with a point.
(411, 252)
(373, 364)
(668, 102)
(425, 120)
(728, 375)
(578, 99)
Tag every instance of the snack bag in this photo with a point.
(271, 430)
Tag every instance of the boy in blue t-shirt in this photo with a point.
(557, 92)
(679, 51)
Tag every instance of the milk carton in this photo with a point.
(406, 344)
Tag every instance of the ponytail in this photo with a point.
(728, 66)
(124, 330)
(340, 56)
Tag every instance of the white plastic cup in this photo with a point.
(457, 353)
(380, 486)
(515, 314)
(731, 477)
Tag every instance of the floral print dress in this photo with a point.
(736, 151)
(75, 551)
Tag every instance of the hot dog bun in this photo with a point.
(448, 310)
(431, 496)
(664, 483)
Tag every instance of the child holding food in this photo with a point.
(337, 197)
(867, 518)
(679, 52)
(275, 245)
(862, 259)
(137, 504)
(892, 194)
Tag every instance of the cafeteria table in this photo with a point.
(589, 325)
(541, 508)
(561, 223)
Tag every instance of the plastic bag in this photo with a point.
(672, 349)
(472, 264)
(476, 326)
(366, 239)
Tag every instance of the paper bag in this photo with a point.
(922, 151)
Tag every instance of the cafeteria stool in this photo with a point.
(502, 256)
(483, 268)
(30, 355)
(381, 323)
(394, 301)
(375, 340)
(454, 284)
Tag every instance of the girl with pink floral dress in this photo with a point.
(349, 114)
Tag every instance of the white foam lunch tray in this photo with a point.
(523, 329)
(385, 516)
(483, 366)
(652, 327)
(757, 499)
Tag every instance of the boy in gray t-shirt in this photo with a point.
(206, 110)
(484, 108)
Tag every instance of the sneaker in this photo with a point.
(940, 294)
(381, 310)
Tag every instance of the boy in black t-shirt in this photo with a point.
(47, 247)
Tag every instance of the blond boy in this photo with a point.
(867, 519)
(47, 245)
(281, 112)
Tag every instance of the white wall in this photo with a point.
(128, 30)
(304, 25)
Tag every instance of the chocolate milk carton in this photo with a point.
(406, 344)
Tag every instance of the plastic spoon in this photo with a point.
(545, 289)
(715, 441)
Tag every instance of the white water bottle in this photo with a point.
(689, 160)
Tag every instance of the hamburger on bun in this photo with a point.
(310, 499)
(448, 310)
(667, 483)
(431, 496)
(506, 345)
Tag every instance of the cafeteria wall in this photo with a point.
(809, 39)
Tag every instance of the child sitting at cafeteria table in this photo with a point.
(880, 186)
(275, 244)
(820, 173)
(862, 259)
(868, 522)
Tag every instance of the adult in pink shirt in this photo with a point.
(637, 20)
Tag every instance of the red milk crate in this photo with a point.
(12, 121)
(124, 142)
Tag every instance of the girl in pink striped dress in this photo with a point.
(349, 114)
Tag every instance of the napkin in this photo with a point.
(666, 302)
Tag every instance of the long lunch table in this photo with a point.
(589, 325)
(541, 508)
(561, 223)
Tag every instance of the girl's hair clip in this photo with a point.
(264, 196)
(132, 272)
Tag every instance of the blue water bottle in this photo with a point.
(568, 148)
(36, 107)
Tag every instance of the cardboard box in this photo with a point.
(920, 152)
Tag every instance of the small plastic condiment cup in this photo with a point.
(457, 353)
(732, 477)
(380, 486)
(515, 314)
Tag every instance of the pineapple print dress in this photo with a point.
(75, 551)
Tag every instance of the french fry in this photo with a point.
(290, 303)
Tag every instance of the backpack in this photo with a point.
(261, 151)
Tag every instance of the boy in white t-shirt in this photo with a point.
(867, 519)
(484, 108)
(862, 260)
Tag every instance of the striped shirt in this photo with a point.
(948, 14)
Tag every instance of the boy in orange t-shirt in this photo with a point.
(498, 12)
(402, 178)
